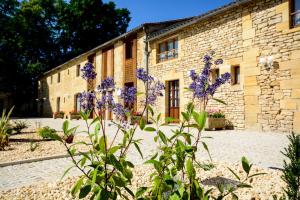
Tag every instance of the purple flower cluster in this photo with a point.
(142, 75)
(155, 90)
(201, 85)
(106, 102)
(88, 71)
(219, 81)
(129, 95)
(87, 101)
(107, 84)
(120, 111)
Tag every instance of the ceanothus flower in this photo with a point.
(155, 90)
(201, 85)
(142, 75)
(88, 71)
(87, 101)
(129, 95)
(107, 84)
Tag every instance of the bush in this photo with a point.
(106, 170)
(19, 126)
(291, 172)
(215, 113)
(46, 132)
(5, 128)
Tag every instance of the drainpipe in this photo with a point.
(147, 53)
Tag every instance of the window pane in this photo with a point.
(170, 45)
(237, 75)
(162, 47)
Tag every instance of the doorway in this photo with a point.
(173, 100)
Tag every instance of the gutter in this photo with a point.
(200, 17)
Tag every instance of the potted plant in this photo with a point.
(215, 120)
(59, 114)
(74, 115)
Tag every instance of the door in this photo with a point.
(173, 100)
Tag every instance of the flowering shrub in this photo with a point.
(212, 113)
(106, 171)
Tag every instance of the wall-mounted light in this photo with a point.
(37, 100)
(266, 61)
(44, 98)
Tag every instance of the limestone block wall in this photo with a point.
(267, 98)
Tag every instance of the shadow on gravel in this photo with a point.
(215, 181)
(28, 140)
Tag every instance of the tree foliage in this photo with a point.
(37, 35)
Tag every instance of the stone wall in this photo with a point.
(266, 99)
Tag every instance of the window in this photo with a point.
(295, 13)
(51, 79)
(77, 70)
(77, 103)
(215, 73)
(168, 50)
(58, 104)
(58, 77)
(68, 71)
(235, 75)
(128, 49)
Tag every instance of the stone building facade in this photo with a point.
(260, 46)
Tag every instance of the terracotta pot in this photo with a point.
(215, 123)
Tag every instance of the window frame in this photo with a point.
(129, 48)
(235, 80)
(166, 51)
(292, 13)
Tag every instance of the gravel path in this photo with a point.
(262, 149)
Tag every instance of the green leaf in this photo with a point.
(119, 181)
(150, 129)
(234, 196)
(150, 110)
(200, 119)
(77, 186)
(174, 197)
(140, 191)
(185, 116)
(158, 117)
(65, 126)
(207, 150)
(129, 191)
(190, 169)
(220, 101)
(54, 136)
(115, 162)
(163, 137)
(138, 149)
(234, 174)
(114, 149)
(246, 165)
(258, 174)
(142, 123)
(84, 191)
(65, 173)
(104, 195)
(102, 144)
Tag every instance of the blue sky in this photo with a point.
(160, 10)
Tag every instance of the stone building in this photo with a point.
(259, 41)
